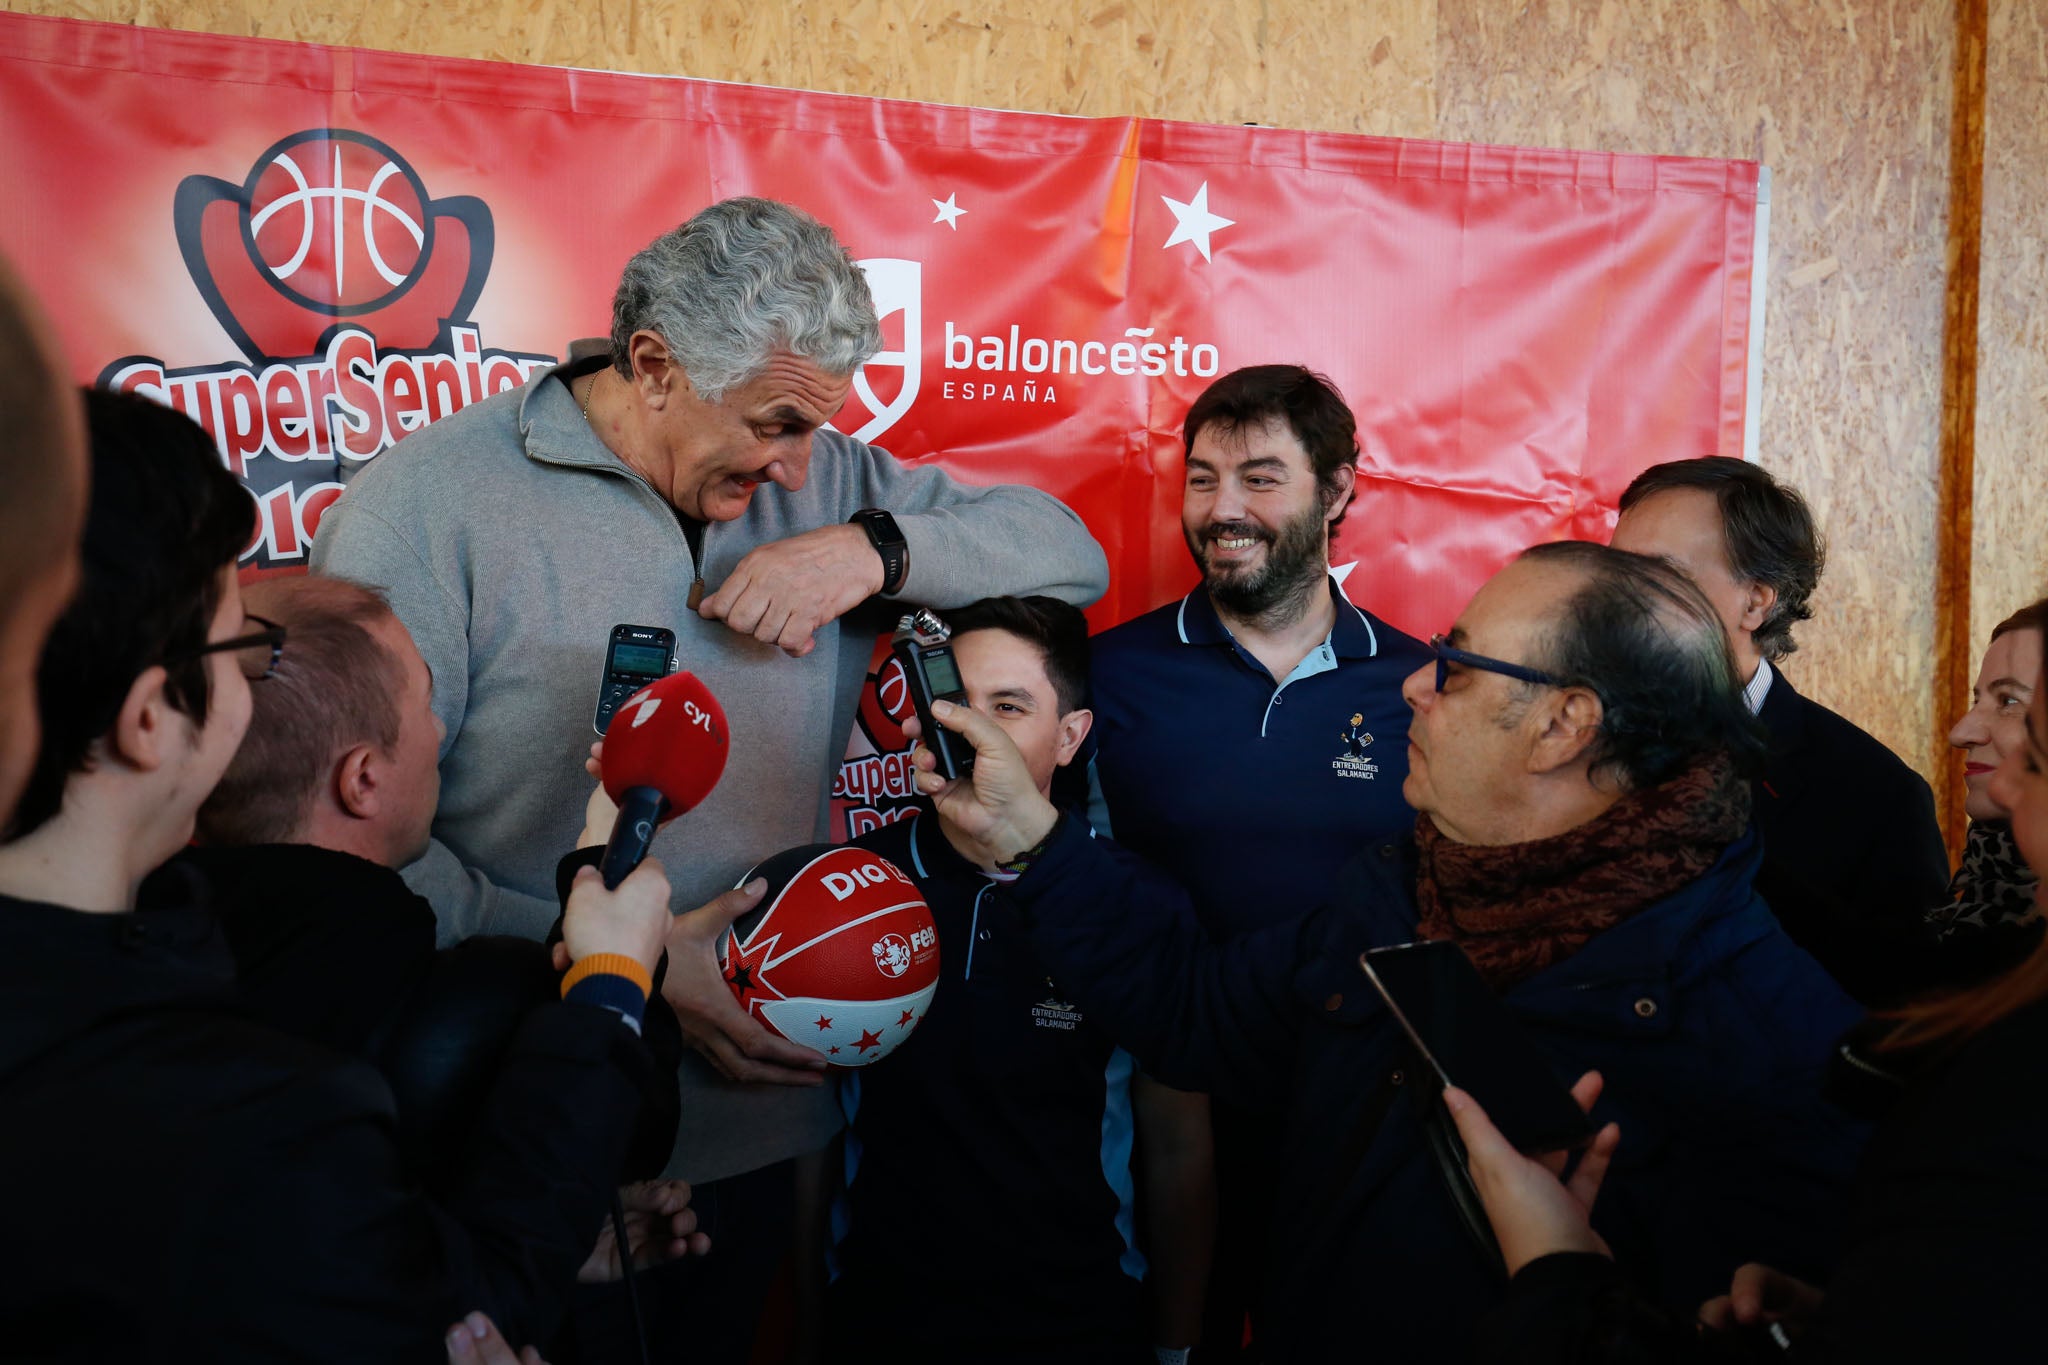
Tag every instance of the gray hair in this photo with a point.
(741, 280)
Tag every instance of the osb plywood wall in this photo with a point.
(1848, 101)
(2011, 496)
(1849, 106)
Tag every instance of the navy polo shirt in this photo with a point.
(988, 1210)
(1251, 790)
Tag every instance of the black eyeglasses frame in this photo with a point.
(272, 634)
(1446, 655)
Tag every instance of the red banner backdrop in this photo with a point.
(316, 250)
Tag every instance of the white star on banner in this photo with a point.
(949, 210)
(1193, 222)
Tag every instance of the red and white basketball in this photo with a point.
(841, 955)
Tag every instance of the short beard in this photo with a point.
(1279, 591)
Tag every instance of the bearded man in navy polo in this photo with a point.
(1251, 736)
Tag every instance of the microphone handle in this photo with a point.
(640, 812)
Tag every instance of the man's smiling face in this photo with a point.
(1253, 516)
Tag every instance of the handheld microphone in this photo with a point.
(663, 754)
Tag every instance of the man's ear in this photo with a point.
(1757, 601)
(656, 374)
(1570, 723)
(358, 782)
(1338, 498)
(1074, 727)
(141, 735)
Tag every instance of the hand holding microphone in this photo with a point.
(662, 755)
(664, 752)
(629, 920)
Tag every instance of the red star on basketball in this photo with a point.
(832, 1051)
(745, 972)
(868, 1039)
(824, 1021)
(907, 1019)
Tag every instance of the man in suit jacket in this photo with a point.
(1852, 854)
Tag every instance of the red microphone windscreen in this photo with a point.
(670, 735)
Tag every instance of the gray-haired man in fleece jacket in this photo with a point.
(629, 487)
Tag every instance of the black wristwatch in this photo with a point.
(889, 544)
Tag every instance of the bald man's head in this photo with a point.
(42, 511)
(1646, 640)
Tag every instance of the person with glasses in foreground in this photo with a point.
(1576, 760)
(1945, 1258)
(183, 1182)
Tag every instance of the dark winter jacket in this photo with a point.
(182, 1182)
(338, 950)
(988, 1157)
(1852, 854)
(1946, 1256)
(1710, 1027)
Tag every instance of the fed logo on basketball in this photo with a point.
(841, 955)
(892, 954)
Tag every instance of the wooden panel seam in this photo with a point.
(1957, 470)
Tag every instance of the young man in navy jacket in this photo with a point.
(988, 1213)
(1575, 758)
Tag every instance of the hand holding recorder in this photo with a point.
(998, 808)
(1469, 1039)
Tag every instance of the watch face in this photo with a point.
(881, 527)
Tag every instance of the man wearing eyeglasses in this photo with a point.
(264, 1206)
(1576, 760)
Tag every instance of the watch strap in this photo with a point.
(887, 538)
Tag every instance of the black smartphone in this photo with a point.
(1471, 1040)
(919, 644)
(634, 657)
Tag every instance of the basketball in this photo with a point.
(841, 955)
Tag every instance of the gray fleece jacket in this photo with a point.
(511, 540)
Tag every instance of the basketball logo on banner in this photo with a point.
(876, 782)
(348, 289)
(332, 223)
(339, 220)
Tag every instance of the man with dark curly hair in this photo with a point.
(1852, 854)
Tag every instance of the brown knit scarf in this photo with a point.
(1518, 908)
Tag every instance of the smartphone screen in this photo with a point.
(1475, 1043)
